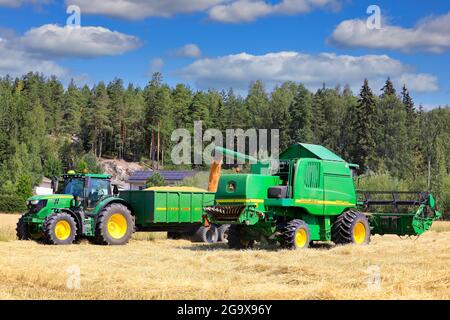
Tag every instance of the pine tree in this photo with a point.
(388, 88)
(301, 124)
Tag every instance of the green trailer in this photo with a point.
(310, 196)
(87, 206)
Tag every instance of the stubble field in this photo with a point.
(152, 267)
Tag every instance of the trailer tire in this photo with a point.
(114, 226)
(206, 234)
(59, 229)
(22, 231)
(295, 235)
(351, 227)
(236, 238)
(223, 232)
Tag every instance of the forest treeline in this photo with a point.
(46, 128)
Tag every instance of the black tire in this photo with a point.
(206, 234)
(22, 231)
(223, 233)
(347, 228)
(295, 235)
(59, 229)
(109, 231)
(236, 238)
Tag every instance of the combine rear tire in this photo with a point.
(114, 226)
(223, 232)
(59, 228)
(22, 229)
(206, 234)
(236, 238)
(295, 235)
(351, 227)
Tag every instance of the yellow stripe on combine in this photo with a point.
(240, 200)
(335, 203)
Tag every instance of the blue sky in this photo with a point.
(229, 43)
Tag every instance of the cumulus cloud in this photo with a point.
(431, 35)
(70, 41)
(228, 11)
(250, 10)
(239, 70)
(139, 9)
(15, 61)
(190, 50)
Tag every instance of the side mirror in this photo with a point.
(115, 190)
(54, 184)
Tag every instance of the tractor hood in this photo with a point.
(52, 196)
(42, 206)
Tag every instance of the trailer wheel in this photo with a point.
(295, 235)
(206, 234)
(223, 232)
(114, 226)
(351, 227)
(59, 229)
(22, 229)
(236, 238)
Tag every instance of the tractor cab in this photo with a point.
(87, 189)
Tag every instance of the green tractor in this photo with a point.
(84, 206)
(310, 196)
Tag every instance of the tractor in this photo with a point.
(309, 195)
(84, 206)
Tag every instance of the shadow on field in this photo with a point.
(224, 246)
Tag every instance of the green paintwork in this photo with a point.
(153, 207)
(320, 188)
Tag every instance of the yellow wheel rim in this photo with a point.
(117, 226)
(359, 233)
(301, 238)
(62, 230)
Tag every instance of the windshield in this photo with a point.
(74, 187)
(98, 189)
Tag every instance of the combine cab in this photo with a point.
(311, 197)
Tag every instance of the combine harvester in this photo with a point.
(311, 197)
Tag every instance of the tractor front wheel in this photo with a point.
(22, 229)
(351, 227)
(114, 226)
(59, 229)
(295, 235)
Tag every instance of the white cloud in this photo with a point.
(69, 41)
(156, 65)
(431, 34)
(16, 62)
(218, 10)
(239, 70)
(190, 50)
(139, 9)
(18, 3)
(250, 10)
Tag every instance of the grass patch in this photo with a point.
(441, 226)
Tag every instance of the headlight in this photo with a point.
(34, 202)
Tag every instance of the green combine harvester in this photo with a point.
(311, 197)
(87, 206)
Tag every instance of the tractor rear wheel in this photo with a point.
(351, 227)
(295, 235)
(223, 232)
(206, 234)
(115, 225)
(22, 228)
(236, 238)
(59, 228)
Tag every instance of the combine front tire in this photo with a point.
(59, 228)
(351, 227)
(114, 226)
(223, 232)
(295, 235)
(236, 238)
(22, 229)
